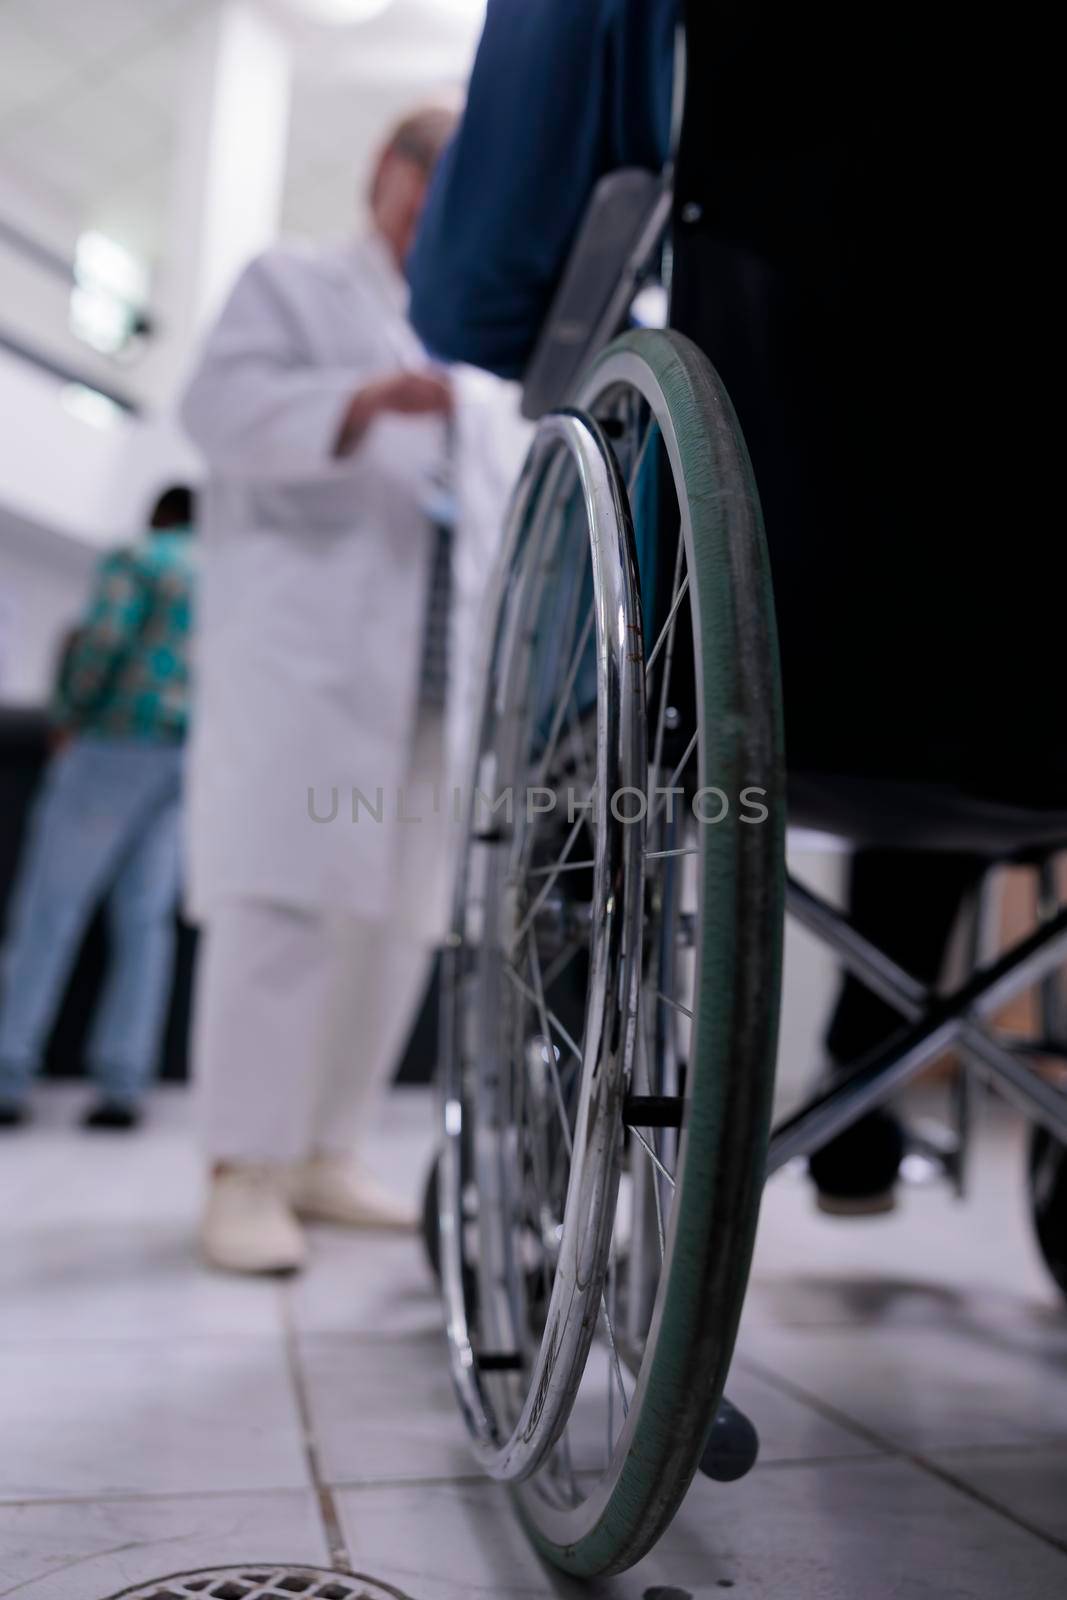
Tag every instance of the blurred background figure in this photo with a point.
(107, 822)
(147, 154)
(323, 429)
(146, 158)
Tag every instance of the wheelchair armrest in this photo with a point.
(621, 228)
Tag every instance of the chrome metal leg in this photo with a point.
(981, 945)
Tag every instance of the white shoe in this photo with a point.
(335, 1188)
(248, 1223)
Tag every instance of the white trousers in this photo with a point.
(300, 1016)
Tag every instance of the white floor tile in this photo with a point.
(108, 1223)
(123, 1280)
(921, 1262)
(1029, 1483)
(919, 1388)
(383, 1409)
(872, 1530)
(366, 1284)
(147, 1418)
(788, 1429)
(127, 1370)
(53, 1173)
(84, 1551)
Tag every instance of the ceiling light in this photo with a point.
(90, 406)
(109, 292)
(102, 263)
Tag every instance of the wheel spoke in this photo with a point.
(517, 980)
(679, 769)
(677, 595)
(561, 1105)
(657, 1163)
(560, 866)
(546, 889)
(667, 630)
(660, 1230)
(585, 866)
(650, 429)
(540, 1159)
(559, 964)
(564, 1452)
(568, 689)
(668, 1000)
(616, 1364)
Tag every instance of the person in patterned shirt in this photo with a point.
(107, 824)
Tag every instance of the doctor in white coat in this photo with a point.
(323, 427)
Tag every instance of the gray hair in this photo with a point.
(421, 136)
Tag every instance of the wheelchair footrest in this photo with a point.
(732, 1447)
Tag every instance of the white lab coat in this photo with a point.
(490, 440)
(314, 587)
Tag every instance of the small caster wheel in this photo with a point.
(732, 1447)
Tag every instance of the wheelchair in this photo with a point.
(611, 993)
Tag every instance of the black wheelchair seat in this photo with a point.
(887, 813)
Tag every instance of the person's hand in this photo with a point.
(406, 394)
(415, 394)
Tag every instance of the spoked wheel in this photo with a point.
(601, 1174)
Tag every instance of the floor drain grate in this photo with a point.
(263, 1582)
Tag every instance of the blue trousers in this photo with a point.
(106, 823)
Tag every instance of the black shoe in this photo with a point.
(855, 1174)
(13, 1114)
(114, 1116)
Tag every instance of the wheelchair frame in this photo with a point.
(517, 1399)
(632, 210)
(931, 1023)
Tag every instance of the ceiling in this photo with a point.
(351, 84)
(91, 96)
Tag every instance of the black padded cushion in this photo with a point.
(884, 813)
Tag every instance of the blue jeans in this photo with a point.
(106, 823)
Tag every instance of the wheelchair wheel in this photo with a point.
(601, 1175)
(1048, 1201)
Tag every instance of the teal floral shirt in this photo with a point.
(125, 671)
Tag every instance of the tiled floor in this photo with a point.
(908, 1377)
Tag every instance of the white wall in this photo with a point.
(44, 580)
(55, 469)
(64, 473)
(67, 491)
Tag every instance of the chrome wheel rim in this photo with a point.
(523, 1278)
